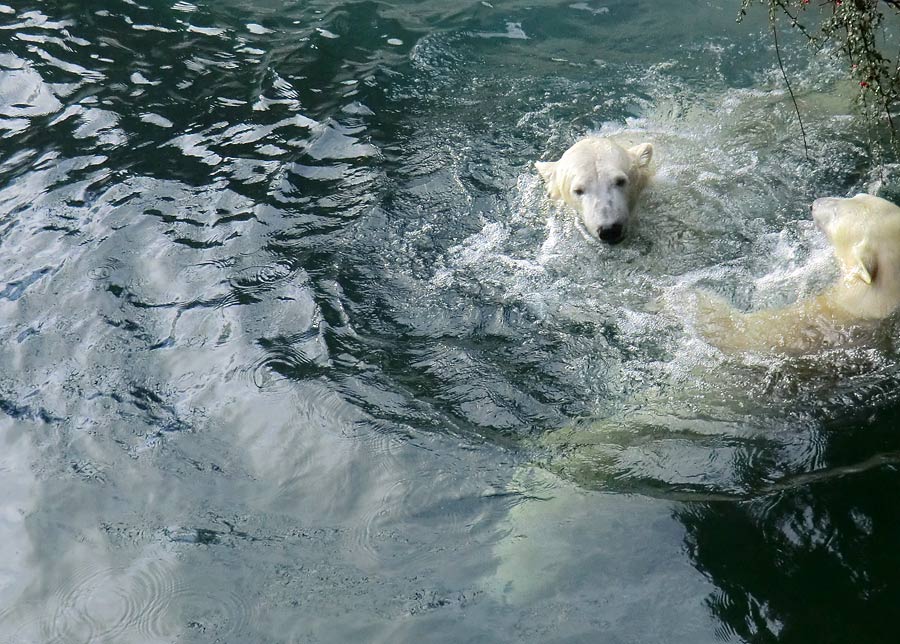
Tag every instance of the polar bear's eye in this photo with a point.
(578, 191)
(621, 181)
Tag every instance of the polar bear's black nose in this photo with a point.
(611, 234)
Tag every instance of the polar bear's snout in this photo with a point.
(603, 207)
(611, 234)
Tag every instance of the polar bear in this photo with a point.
(864, 232)
(601, 180)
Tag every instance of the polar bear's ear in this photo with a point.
(865, 263)
(642, 154)
(547, 170)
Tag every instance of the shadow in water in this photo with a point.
(814, 560)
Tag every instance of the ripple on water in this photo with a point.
(297, 356)
(261, 278)
(22, 619)
(218, 614)
(142, 602)
(113, 604)
(428, 510)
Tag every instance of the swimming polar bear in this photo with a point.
(864, 232)
(601, 180)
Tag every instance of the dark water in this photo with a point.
(294, 349)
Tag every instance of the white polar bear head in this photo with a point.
(865, 233)
(601, 180)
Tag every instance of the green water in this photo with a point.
(294, 348)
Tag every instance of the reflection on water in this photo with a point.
(296, 350)
(823, 543)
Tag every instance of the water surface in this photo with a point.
(295, 350)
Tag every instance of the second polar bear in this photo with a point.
(864, 232)
(601, 180)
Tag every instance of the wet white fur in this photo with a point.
(864, 232)
(599, 179)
